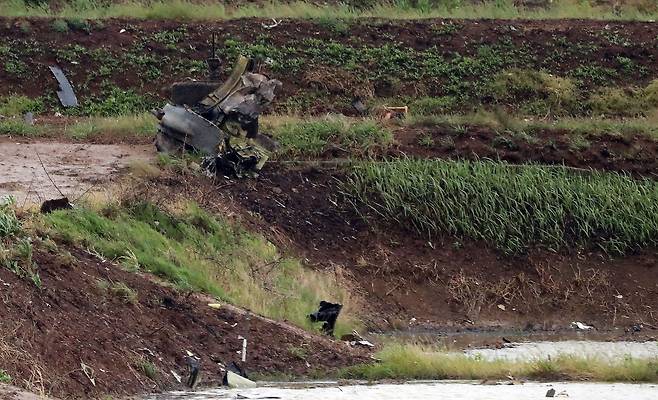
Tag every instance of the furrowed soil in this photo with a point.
(74, 338)
(325, 73)
(444, 282)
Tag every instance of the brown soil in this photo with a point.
(602, 41)
(75, 168)
(47, 334)
(636, 154)
(447, 282)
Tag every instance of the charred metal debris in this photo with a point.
(220, 120)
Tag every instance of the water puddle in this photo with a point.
(430, 390)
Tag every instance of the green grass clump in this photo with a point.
(645, 126)
(148, 369)
(141, 125)
(124, 293)
(197, 251)
(312, 137)
(17, 105)
(59, 25)
(433, 105)
(114, 101)
(629, 102)
(15, 247)
(4, 376)
(405, 361)
(520, 86)
(9, 224)
(17, 127)
(512, 207)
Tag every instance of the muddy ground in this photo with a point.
(34, 171)
(74, 338)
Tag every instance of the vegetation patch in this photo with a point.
(417, 362)
(15, 245)
(512, 207)
(141, 125)
(555, 94)
(4, 376)
(314, 136)
(197, 251)
(17, 127)
(17, 105)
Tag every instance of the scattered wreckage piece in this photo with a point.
(49, 206)
(355, 339)
(65, 93)
(327, 313)
(395, 112)
(235, 381)
(236, 377)
(220, 121)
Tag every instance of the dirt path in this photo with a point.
(75, 168)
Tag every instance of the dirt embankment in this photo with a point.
(442, 282)
(81, 336)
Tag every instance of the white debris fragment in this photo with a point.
(581, 326)
(176, 376)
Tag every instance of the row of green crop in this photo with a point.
(512, 207)
(394, 9)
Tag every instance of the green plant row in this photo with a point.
(512, 207)
(394, 9)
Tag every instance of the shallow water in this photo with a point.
(543, 350)
(431, 390)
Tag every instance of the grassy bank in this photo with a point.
(393, 9)
(512, 207)
(417, 362)
(16, 244)
(200, 252)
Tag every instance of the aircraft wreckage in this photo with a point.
(220, 120)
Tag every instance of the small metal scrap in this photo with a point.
(65, 92)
